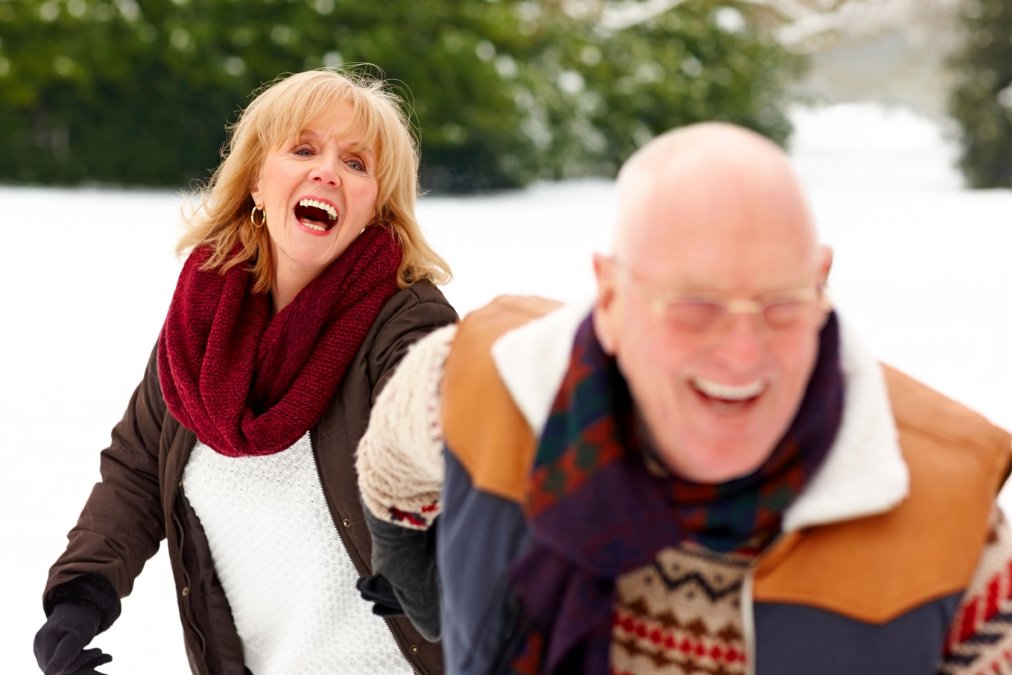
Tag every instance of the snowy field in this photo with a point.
(922, 266)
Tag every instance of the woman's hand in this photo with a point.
(60, 643)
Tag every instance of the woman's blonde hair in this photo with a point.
(281, 110)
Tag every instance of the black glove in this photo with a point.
(377, 590)
(405, 559)
(60, 643)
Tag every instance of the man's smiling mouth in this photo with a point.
(728, 393)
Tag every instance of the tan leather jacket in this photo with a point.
(867, 586)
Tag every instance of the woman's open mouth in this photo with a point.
(316, 215)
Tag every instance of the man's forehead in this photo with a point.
(701, 154)
(694, 188)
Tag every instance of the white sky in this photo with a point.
(922, 267)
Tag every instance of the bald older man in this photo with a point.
(704, 472)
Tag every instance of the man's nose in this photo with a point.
(741, 341)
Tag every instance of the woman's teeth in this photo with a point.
(323, 206)
(729, 392)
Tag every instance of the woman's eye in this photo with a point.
(303, 151)
(356, 165)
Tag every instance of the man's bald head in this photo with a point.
(704, 175)
(712, 217)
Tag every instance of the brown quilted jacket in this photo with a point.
(139, 500)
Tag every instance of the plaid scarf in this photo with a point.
(596, 511)
(248, 383)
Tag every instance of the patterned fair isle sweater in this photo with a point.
(980, 641)
(681, 615)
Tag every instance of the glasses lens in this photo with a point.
(785, 313)
(694, 315)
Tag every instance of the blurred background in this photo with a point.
(504, 92)
(896, 114)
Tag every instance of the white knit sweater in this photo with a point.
(287, 576)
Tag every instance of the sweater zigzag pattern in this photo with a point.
(980, 640)
(681, 614)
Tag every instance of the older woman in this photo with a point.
(308, 280)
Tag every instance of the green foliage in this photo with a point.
(982, 100)
(600, 94)
(504, 92)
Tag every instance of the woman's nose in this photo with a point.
(325, 172)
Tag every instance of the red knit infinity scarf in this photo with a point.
(248, 383)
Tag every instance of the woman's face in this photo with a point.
(318, 191)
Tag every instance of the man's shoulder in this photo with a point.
(878, 567)
(483, 427)
(927, 419)
(483, 326)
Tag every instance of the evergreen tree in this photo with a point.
(982, 99)
(504, 92)
(602, 87)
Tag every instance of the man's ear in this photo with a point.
(605, 308)
(825, 254)
(825, 263)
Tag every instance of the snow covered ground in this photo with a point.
(922, 266)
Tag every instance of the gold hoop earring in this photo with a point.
(253, 219)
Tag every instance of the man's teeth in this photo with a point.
(323, 206)
(729, 392)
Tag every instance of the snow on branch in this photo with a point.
(805, 21)
(620, 16)
(801, 23)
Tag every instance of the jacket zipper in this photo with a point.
(181, 536)
(748, 607)
(344, 542)
(748, 621)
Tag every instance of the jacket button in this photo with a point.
(186, 591)
(346, 522)
(413, 649)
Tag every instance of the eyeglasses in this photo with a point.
(696, 312)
